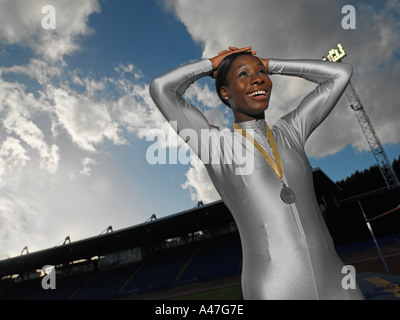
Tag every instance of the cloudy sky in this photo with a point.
(76, 117)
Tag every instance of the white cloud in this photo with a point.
(13, 156)
(215, 111)
(37, 69)
(54, 142)
(87, 120)
(85, 113)
(199, 184)
(16, 218)
(203, 94)
(22, 24)
(55, 177)
(86, 163)
(129, 68)
(38, 209)
(28, 132)
(19, 109)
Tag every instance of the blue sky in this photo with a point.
(142, 32)
(75, 110)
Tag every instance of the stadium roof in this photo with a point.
(205, 217)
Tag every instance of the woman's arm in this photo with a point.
(332, 79)
(167, 90)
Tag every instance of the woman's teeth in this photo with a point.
(255, 93)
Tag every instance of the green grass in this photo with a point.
(226, 293)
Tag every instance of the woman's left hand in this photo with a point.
(265, 61)
(221, 55)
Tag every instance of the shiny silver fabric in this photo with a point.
(288, 252)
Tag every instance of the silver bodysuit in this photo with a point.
(288, 252)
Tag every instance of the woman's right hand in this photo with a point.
(265, 62)
(218, 59)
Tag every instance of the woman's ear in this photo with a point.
(224, 92)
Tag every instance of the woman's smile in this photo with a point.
(259, 94)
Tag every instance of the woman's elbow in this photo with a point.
(155, 88)
(347, 70)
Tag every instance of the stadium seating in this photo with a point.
(105, 284)
(23, 290)
(216, 258)
(205, 260)
(158, 271)
(65, 287)
(200, 261)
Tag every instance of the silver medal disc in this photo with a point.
(287, 195)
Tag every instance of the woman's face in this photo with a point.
(248, 88)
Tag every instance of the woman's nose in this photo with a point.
(256, 78)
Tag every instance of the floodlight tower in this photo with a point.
(336, 55)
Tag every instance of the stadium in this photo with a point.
(196, 254)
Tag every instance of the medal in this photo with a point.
(287, 195)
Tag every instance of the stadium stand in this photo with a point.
(185, 250)
(159, 271)
(105, 284)
(215, 258)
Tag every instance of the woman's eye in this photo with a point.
(242, 74)
(262, 72)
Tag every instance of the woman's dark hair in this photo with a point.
(222, 71)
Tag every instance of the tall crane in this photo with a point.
(336, 55)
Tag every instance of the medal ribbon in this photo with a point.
(275, 165)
